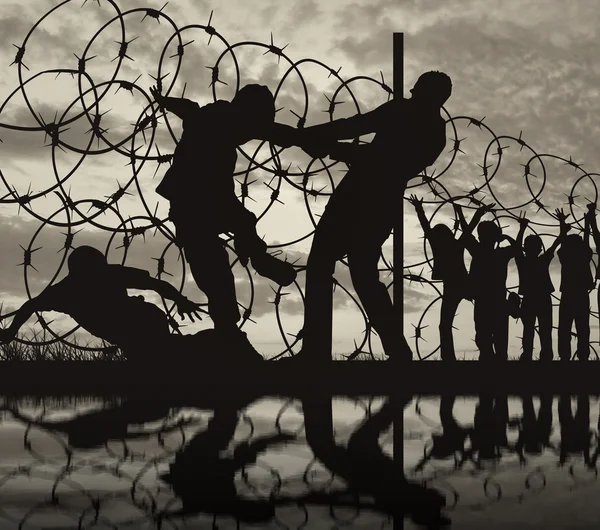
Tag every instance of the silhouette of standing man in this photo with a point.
(410, 134)
(199, 186)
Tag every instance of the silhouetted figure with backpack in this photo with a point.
(488, 273)
(94, 294)
(535, 286)
(576, 282)
(410, 134)
(200, 188)
(449, 267)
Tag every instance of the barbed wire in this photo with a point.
(136, 148)
(109, 467)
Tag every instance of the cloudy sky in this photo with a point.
(525, 66)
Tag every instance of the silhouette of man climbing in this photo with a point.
(576, 282)
(199, 186)
(488, 272)
(94, 294)
(449, 266)
(410, 134)
(536, 288)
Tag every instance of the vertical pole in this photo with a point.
(398, 244)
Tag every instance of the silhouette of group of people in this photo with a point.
(485, 283)
(359, 217)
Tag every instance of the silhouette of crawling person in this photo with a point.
(410, 134)
(199, 186)
(94, 294)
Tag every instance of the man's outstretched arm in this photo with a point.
(181, 107)
(22, 315)
(140, 279)
(350, 128)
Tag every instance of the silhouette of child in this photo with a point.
(576, 281)
(489, 269)
(410, 134)
(199, 185)
(94, 294)
(449, 267)
(536, 288)
(596, 236)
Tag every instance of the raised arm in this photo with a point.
(564, 229)
(181, 107)
(418, 205)
(523, 222)
(593, 224)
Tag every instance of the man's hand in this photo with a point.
(189, 308)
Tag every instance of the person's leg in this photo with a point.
(544, 313)
(363, 260)
(565, 323)
(501, 328)
(582, 325)
(528, 315)
(482, 316)
(209, 264)
(250, 246)
(450, 301)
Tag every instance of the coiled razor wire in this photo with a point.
(118, 484)
(73, 215)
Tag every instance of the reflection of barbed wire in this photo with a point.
(69, 484)
(137, 146)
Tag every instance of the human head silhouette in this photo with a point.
(432, 89)
(532, 245)
(85, 260)
(255, 108)
(441, 235)
(489, 233)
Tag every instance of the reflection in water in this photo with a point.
(504, 461)
(154, 465)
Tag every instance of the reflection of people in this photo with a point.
(199, 186)
(535, 285)
(534, 432)
(94, 294)
(489, 436)
(204, 479)
(410, 134)
(453, 437)
(575, 433)
(576, 281)
(488, 272)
